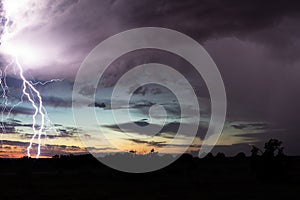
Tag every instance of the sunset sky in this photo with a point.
(255, 45)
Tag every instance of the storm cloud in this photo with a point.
(255, 45)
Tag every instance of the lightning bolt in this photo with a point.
(38, 110)
(30, 92)
(45, 82)
(4, 88)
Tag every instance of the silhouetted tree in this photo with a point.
(132, 151)
(240, 156)
(55, 156)
(280, 152)
(271, 165)
(209, 156)
(254, 151)
(271, 147)
(220, 156)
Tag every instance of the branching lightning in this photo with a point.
(4, 88)
(38, 110)
(45, 82)
(40, 116)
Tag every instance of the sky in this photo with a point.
(255, 45)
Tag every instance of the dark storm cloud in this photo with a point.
(151, 143)
(128, 127)
(168, 131)
(7, 128)
(207, 18)
(268, 24)
(10, 126)
(67, 132)
(61, 6)
(160, 144)
(14, 143)
(255, 45)
(88, 90)
(17, 110)
(56, 101)
(86, 23)
(100, 105)
(142, 106)
(64, 132)
(263, 39)
(95, 149)
(60, 133)
(203, 20)
(251, 126)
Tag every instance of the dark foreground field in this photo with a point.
(83, 177)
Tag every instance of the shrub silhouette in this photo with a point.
(271, 147)
(255, 151)
(220, 156)
(240, 156)
(132, 151)
(209, 156)
(270, 165)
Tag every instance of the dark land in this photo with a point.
(213, 177)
